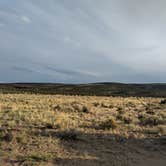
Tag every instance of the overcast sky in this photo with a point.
(75, 41)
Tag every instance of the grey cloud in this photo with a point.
(72, 72)
(22, 69)
(83, 41)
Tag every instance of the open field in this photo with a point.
(82, 130)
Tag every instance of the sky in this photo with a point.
(83, 41)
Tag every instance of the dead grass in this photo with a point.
(73, 130)
(108, 124)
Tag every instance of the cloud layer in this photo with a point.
(82, 41)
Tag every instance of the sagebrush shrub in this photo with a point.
(108, 124)
(68, 135)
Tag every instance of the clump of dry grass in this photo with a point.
(72, 107)
(85, 109)
(150, 120)
(104, 105)
(96, 104)
(119, 117)
(120, 108)
(127, 120)
(163, 101)
(108, 124)
(6, 136)
(63, 121)
(151, 112)
(21, 139)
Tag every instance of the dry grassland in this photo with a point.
(74, 130)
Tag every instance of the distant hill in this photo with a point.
(97, 89)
